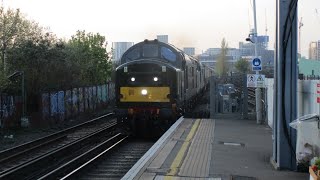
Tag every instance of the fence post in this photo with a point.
(245, 98)
(212, 97)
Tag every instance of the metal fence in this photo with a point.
(309, 77)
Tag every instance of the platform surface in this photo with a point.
(225, 147)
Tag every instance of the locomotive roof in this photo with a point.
(157, 49)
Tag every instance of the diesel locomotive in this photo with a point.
(155, 83)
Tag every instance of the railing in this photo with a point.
(309, 77)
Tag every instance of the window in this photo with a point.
(150, 50)
(167, 54)
(133, 54)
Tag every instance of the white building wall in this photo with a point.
(269, 88)
(307, 132)
(307, 97)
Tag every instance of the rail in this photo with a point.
(74, 166)
(29, 146)
(34, 164)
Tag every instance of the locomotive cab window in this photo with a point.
(150, 50)
(167, 54)
(133, 54)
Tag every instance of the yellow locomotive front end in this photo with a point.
(145, 94)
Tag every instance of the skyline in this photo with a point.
(201, 24)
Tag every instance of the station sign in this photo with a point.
(256, 80)
(256, 64)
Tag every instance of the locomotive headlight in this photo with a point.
(144, 92)
(133, 79)
(155, 79)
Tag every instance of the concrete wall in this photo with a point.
(10, 110)
(63, 105)
(56, 106)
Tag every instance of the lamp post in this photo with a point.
(253, 38)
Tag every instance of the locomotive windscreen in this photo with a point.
(167, 54)
(153, 50)
(150, 50)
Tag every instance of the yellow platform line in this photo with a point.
(178, 160)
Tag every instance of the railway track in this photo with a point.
(112, 161)
(251, 97)
(28, 160)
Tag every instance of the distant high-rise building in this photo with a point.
(314, 50)
(118, 49)
(245, 51)
(233, 52)
(189, 50)
(163, 38)
(248, 50)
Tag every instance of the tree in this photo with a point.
(88, 50)
(242, 66)
(222, 66)
(40, 61)
(13, 28)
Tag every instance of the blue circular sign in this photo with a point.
(256, 62)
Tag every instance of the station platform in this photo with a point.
(226, 147)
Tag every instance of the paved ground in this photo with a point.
(250, 159)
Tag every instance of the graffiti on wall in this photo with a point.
(99, 95)
(7, 109)
(45, 103)
(90, 98)
(81, 100)
(75, 99)
(86, 98)
(104, 93)
(53, 104)
(60, 105)
(94, 97)
(68, 103)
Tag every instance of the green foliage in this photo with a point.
(41, 63)
(90, 54)
(221, 65)
(14, 29)
(242, 66)
(49, 63)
